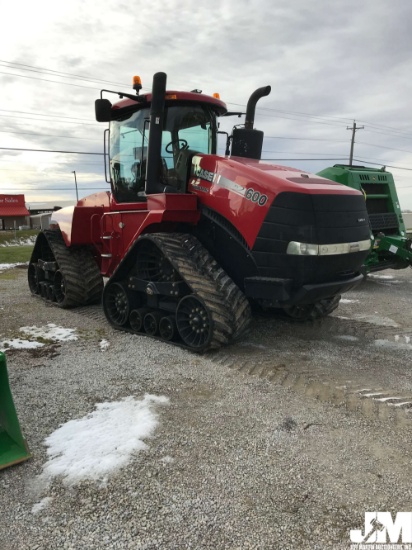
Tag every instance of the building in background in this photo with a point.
(15, 215)
(13, 212)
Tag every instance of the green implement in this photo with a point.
(391, 246)
(13, 447)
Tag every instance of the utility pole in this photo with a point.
(352, 143)
(75, 183)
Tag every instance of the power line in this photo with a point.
(54, 189)
(48, 121)
(47, 135)
(49, 151)
(47, 80)
(62, 74)
(307, 139)
(42, 114)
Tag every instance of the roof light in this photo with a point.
(137, 84)
(216, 95)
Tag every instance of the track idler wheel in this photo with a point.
(151, 322)
(194, 322)
(116, 304)
(168, 328)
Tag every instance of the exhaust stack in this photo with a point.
(251, 105)
(154, 161)
(247, 142)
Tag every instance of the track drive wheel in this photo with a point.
(193, 322)
(116, 304)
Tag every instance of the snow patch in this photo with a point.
(399, 338)
(375, 276)
(3, 267)
(376, 320)
(104, 441)
(348, 338)
(252, 345)
(393, 345)
(39, 506)
(51, 332)
(385, 279)
(21, 241)
(17, 343)
(372, 319)
(104, 344)
(347, 301)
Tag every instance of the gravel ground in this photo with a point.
(237, 461)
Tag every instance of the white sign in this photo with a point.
(381, 532)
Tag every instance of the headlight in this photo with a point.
(302, 249)
(306, 249)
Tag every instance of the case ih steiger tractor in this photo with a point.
(189, 239)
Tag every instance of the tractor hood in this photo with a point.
(240, 188)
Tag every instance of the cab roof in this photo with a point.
(172, 96)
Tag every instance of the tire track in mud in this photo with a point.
(296, 373)
(280, 363)
(374, 403)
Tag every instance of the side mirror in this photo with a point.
(103, 110)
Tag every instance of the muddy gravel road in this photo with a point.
(282, 441)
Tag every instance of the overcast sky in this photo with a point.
(328, 63)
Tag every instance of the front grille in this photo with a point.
(317, 219)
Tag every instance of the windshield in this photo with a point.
(187, 130)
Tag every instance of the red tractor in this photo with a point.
(189, 239)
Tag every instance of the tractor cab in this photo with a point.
(189, 126)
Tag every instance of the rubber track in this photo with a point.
(84, 283)
(227, 305)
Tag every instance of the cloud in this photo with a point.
(327, 65)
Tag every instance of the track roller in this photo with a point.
(168, 328)
(136, 318)
(151, 322)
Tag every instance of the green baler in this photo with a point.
(391, 247)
